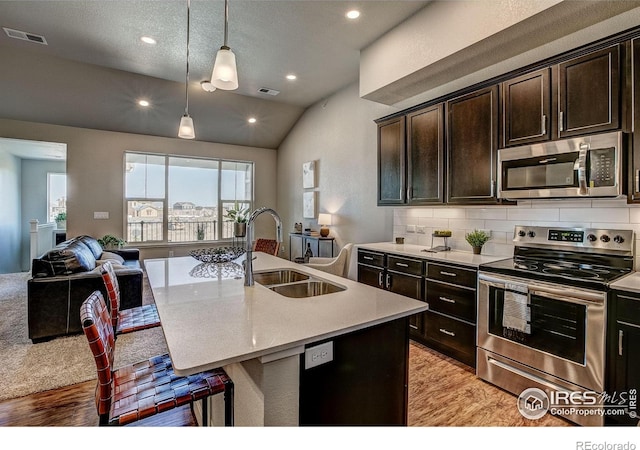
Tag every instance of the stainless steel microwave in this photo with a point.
(588, 166)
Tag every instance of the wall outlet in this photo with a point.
(100, 214)
(421, 229)
(320, 354)
(411, 228)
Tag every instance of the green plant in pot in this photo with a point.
(476, 239)
(239, 217)
(109, 241)
(61, 220)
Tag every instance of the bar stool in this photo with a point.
(127, 320)
(146, 388)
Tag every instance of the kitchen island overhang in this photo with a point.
(256, 334)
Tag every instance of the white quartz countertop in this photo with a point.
(629, 283)
(416, 251)
(210, 319)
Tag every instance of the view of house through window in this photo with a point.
(183, 199)
(56, 195)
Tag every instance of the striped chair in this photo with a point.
(143, 389)
(126, 320)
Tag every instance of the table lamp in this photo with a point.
(324, 220)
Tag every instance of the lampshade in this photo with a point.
(225, 74)
(324, 219)
(186, 130)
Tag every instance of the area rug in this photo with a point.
(26, 368)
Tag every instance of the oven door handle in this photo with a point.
(579, 297)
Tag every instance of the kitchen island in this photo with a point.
(210, 319)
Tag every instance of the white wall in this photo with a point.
(340, 134)
(501, 220)
(10, 215)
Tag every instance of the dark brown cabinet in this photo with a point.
(396, 274)
(634, 160)
(623, 366)
(472, 130)
(589, 93)
(526, 108)
(449, 326)
(425, 156)
(450, 323)
(391, 162)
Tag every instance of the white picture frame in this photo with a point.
(309, 205)
(309, 174)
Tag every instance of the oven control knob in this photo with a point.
(605, 238)
(521, 233)
(618, 239)
(532, 234)
(592, 238)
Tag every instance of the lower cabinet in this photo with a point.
(449, 326)
(623, 365)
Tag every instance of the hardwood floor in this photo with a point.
(442, 392)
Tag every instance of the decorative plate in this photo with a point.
(217, 254)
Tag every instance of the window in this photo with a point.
(183, 199)
(56, 195)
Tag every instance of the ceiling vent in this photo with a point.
(24, 36)
(268, 91)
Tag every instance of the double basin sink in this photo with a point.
(294, 284)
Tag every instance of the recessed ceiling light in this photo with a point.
(144, 103)
(291, 77)
(148, 40)
(252, 120)
(207, 86)
(353, 14)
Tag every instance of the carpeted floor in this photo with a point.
(27, 368)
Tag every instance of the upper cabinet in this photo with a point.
(425, 155)
(526, 108)
(634, 161)
(391, 162)
(589, 93)
(472, 129)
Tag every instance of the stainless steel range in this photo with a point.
(542, 314)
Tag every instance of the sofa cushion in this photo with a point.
(93, 245)
(72, 258)
(110, 256)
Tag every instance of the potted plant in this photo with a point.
(239, 217)
(477, 238)
(109, 242)
(61, 220)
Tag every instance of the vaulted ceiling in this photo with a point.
(94, 67)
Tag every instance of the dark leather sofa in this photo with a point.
(66, 275)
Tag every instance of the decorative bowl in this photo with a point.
(217, 254)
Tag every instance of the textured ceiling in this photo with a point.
(94, 67)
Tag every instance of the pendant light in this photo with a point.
(186, 130)
(225, 73)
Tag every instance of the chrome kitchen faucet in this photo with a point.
(248, 264)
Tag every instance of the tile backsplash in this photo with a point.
(417, 224)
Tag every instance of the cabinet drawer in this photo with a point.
(371, 258)
(450, 333)
(452, 274)
(405, 265)
(628, 309)
(452, 300)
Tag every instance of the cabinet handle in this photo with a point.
(544, 124)
(637, 180)
(388, 281)
(620, 338)
(409, 193)
(402, 264)
(368, 258)
(447, 332)
(448, 300)
(413, 326)
(380, 279)
(449, 274)
(561, 121)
